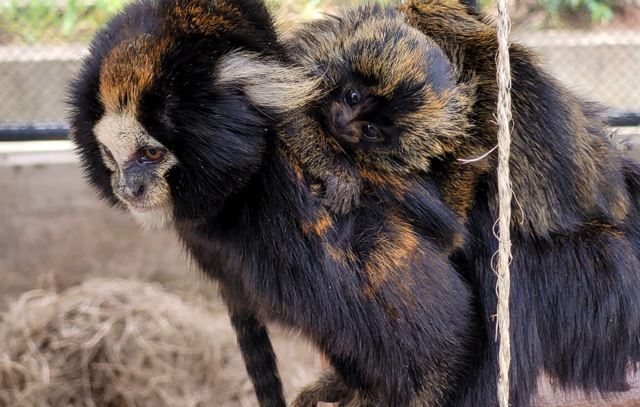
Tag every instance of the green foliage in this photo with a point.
(59, 20)
(599, 10)
(31, 21)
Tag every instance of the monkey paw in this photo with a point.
(328, 388)
(342, 194)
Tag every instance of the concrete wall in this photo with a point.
(52, 225)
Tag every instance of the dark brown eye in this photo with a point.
(352, 97)
(151, 154)
(371, 132)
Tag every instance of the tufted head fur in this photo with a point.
(408, 106)
(390, 101)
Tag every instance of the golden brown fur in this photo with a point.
(403, 73)
(133, 64)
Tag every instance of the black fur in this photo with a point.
(255, 346)
(575, 285)
(377, 344)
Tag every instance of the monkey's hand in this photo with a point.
(342, 193)
(329, 388)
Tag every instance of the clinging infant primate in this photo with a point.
(390, 101)
(576, 233)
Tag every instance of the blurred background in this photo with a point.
(591, 45)
(60, 247)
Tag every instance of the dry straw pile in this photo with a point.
(117, 343)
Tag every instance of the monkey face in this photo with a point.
(352, 121)
(344, 120)
(175, 143)
(393, 99)
(174, 108)
(138, 164)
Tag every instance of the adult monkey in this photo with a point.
(174, 115)
(575, 295)
(144, 108)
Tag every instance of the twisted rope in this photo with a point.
(503, 73)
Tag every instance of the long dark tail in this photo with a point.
(259, 358)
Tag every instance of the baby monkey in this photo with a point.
(391, 102)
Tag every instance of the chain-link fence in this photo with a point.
(600, 64)
(33, 83)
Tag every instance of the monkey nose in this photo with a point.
(133, 190)
(348, 139)
(139, 190)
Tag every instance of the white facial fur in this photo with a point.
(124, 136)
(268, 83)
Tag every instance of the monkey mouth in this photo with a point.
(139, 205)
(142, 207)
(337, 147)
(335, 143)
(145, 205)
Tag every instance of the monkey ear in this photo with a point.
(440, 70)
(269, 84)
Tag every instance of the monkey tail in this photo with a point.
(259, 359)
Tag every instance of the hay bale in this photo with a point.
(117, 343)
